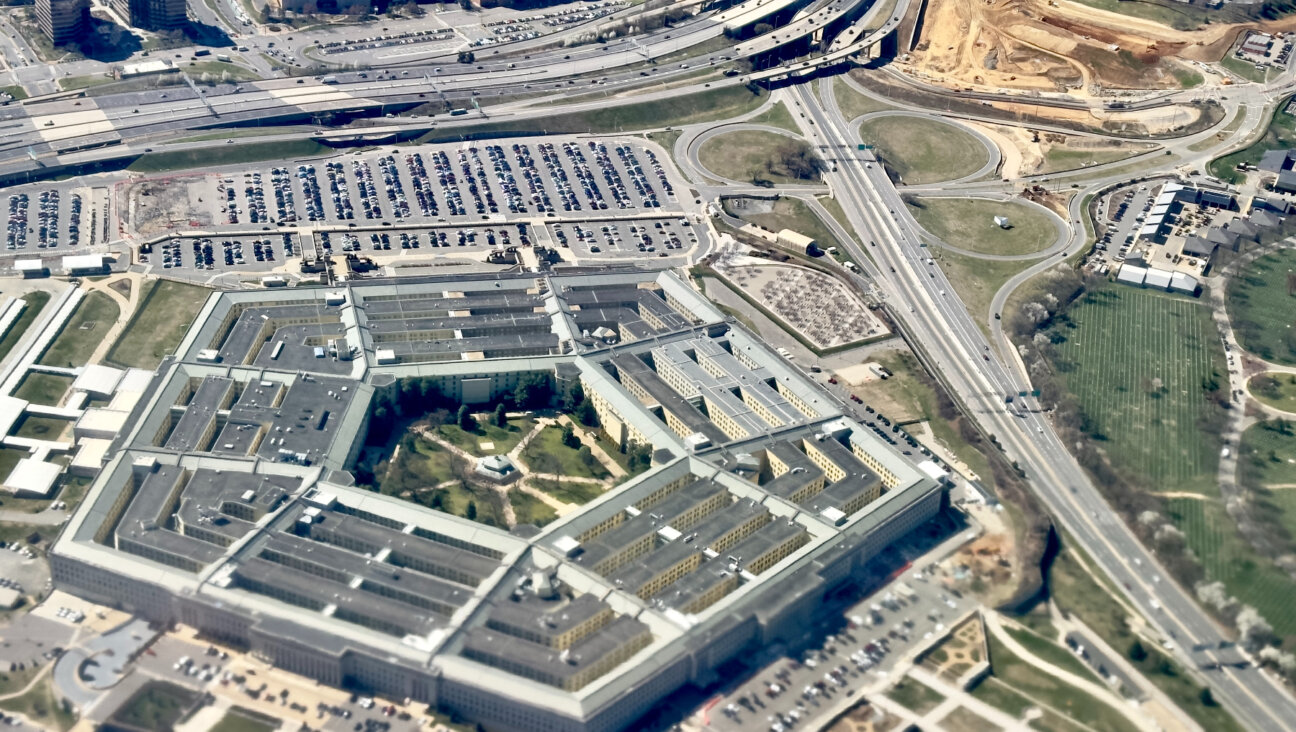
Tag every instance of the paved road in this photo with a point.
(940, 324)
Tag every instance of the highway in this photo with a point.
(923, 299)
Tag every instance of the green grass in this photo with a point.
(999, 695)
(69, 83)
(1050, 652)
(1137, 362)
(1222, 134)
(976, 280)
(1280, 134)
(1061, 157)
(713, 104)
(528, 509)
(1075, 703)
(41, 705)
(546, 453)
(569, 491)
(1187, 78)
(1226, 556)
(1262, 307)
(968, 223)
(1186, 18)
(243, 720)
(1075, 592)
(923, 150)
(74, 345)
(46, 389)
(793, 213)
(17, 92)
(166, 309)
(915, 696)
(218, 71)
(41, 428)
(157, 706)
(665, 138)
(251, 152)
(1278, 390)
(751, 155)
(9, 457)
(1267, 457)
(776, 116)
(962, 719)
(503, 439)
(35, 304)
(1244, 69)
(853, 104)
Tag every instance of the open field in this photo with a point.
(35, 304)
(1262, 307)
(1278, 390)
(42, 428)
(1050, 652)
(46, 389)
(166, 309)
(1213, 536)
(250, 152)
(1181, 17)
(776, 116)
(751, 155)
(853, 104)
(792, 213)
(9, 457)
(962, 719)
(41, 705)
(156, 706)
(502, 439)
(1281, 134)
(1137, 363)
(968, 223)
(82, 332)
(1003, 697)
(922, 150)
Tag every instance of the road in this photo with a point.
(923, 299)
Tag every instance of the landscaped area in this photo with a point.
(577, 492)
(922, 150)
(528, 509)
(165, 310)
(915, 696)
(486, 438)
(46, 389)
(1281, 134)
(1262, 306)
(1278, 390)
(546, 453)
(157, 706)
(1139, 364)
(43, 707)
(969, 224)
(853, 104)
(975, 280)
(42, 428)
(754, 155)
(789, 213)
(35, 304)
(83, 331)
(959, 653)
(244, 720)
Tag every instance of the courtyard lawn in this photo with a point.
(502, 439)
(1262, 307)
(968, 224)
(46, 389)
(35, 304)
(546, 453)
(915, 696)
(528, 509)
(41, 428)
(165, 311)
(1138, 362)
(922, 150)
(577, 492)
(83, 331)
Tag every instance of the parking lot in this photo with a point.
(53, 218)
(1123, 213)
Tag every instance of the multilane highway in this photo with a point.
(924, 300)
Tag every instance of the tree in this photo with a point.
(569, 437)
(1137, 652)
(501, 416)
(586, 456)
(573, 398)
(1207, 698)
(761, 29)
(471, 512)
(467, 57)
(586, 413)
(465, 419)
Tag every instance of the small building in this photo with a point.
(85, 264)
(1158, 279)
(146, 68)
(274, 281)
(32, 478)
(498, 468)
(1181, 282)
(1286, 182)
(796, 240)
(31, 268)
(1002, 222)
(385, 356)
(98, 380)
(1131, 275)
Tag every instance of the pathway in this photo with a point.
(125, 309)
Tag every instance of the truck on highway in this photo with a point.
(458, 112)
(330, 79)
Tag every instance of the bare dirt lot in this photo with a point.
(1057, 45)
(156, 205)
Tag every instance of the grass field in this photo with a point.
(1137, 361)
(35, 304)
(165, 311)
(83, 331)
(527, 509)
(751, 155)
(915, 696)
(1186, 18)
(546, 453)
(853, 104)
(962, 719)
(1244, 69)
(250, 152)
(17, 92)
(46, 389)
(242, 720)
(776, 116)
(41, 428)
(156, 706)
(9, 457)
(1050, 652)
(1003, 697)
(976, 280)
(1061, 157)
(1261, 309)
(41, 705)
(1212, 535)
(502, 439)
(923, 150)
(570, 491)
(1281, 134)
(968, 223)
(794, 214)
(1278, 390)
